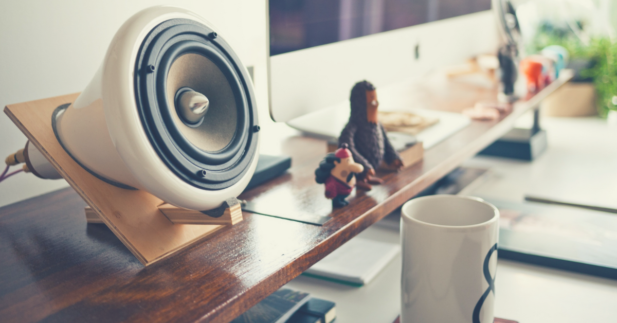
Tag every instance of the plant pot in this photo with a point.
(574, 99)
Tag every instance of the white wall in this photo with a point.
(51, 48)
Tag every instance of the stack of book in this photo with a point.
(289, 306)
(355, 263)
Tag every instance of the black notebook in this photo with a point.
(276, 308)
(304, 318)
(318, 308)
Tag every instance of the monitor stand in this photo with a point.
(522, 144)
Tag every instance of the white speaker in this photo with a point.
(171, 111)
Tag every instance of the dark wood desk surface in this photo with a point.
(56, 268)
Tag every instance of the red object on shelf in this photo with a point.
(532, 69)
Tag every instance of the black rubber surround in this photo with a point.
(163, 45)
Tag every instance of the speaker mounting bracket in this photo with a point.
(231, 214)
(150, 229)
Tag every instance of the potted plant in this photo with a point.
(599, 56)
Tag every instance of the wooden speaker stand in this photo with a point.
(149, 228)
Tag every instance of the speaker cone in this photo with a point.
(179, 58)
(214, 128)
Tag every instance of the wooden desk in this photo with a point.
(57, 268)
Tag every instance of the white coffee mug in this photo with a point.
(449, 252)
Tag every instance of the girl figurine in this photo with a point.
(337, 171)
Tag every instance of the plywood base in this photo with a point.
(177, 215)
(133, 216)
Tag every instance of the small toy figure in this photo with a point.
(549, 73)
(509, 72)
(366, 137)
(533, 71)
(557, 54)
(337, 171)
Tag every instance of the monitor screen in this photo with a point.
(300, 24)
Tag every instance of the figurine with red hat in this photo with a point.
(337, 171)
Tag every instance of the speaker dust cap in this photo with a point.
(196, 104)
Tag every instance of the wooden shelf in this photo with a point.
(58, 268)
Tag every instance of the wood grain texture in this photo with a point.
(132, 215)
(57, 268)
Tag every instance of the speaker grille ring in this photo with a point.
(166, 103)
(224, 162)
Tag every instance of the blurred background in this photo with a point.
(587, 29)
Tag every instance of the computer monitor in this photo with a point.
(320, 48)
